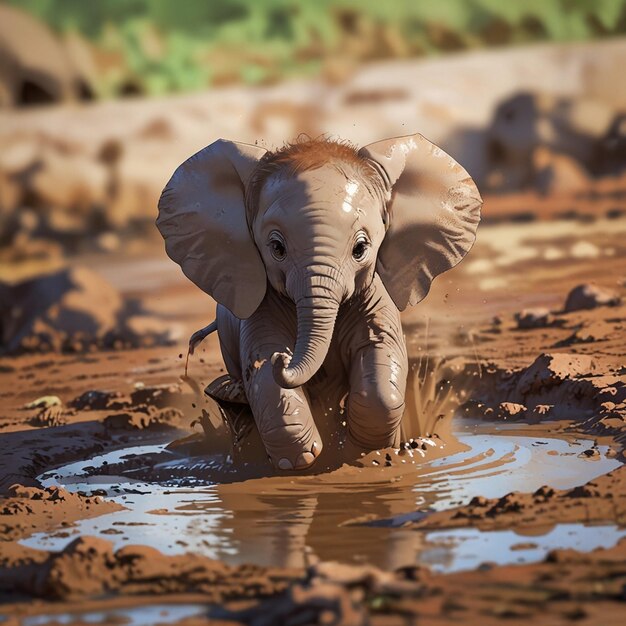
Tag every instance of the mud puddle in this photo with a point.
(146, 615)
(351, 514)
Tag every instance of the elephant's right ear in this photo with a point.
(202, 217)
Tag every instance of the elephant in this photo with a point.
(311, 251)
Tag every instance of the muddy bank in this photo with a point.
(511, 353)
(74, 310)
(600, 500)
(566, 586)
(47, 432)
(26, 510)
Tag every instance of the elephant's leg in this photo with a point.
(376, 400)
(283, 416)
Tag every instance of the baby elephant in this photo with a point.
(311, 252)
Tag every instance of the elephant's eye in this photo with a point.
(277, 248)
(359, 252)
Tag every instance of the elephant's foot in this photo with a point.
(228, 389)
(288, 431)
(303, 460)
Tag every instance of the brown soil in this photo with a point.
(562, 375)
(530, 332)
(566, 587)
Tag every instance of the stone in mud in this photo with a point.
(591, 454)
(550, 370)
(534, 318)
(156, 395)
(589, 296)
(96, 400)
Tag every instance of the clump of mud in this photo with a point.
(27, 509)
(574, 586)
(600, 500)
(89, 567)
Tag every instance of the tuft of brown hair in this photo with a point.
(306, 154)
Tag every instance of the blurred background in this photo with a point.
(101, 100)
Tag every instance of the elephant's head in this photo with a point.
(316, 220)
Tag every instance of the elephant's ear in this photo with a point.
(202, 217)
(433, 211)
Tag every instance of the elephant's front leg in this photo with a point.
(376, 399)
(283, 416)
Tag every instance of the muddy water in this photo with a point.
(351, 514)
(134, 616)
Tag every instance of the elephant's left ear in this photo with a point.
(433, 210)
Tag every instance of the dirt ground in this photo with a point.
(563, 374)
(525, 338)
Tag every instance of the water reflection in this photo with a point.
(290, 521)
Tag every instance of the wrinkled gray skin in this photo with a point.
(317, 271)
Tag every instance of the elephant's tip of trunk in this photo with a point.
(284, 375)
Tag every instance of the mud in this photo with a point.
(30, 509)
(556, 405)
(566, 586)
(513, 445)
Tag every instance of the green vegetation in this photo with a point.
(157, 46)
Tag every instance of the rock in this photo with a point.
(591, 454)
(44, 402)
(53, 311)
(589, 296)
(72, 182)
(156, 395)
(71, 310)
(534, 318)
(36, 68)
(541, 410)
(96, 400)
(558, 173)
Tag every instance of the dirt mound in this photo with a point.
(590, 297)
(600, 500)
(138, 420)
(567, 585)
(89, 567)
(72, 310)
(30, 509)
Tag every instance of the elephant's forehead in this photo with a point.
(344, 194)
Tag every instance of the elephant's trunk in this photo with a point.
(316, 313)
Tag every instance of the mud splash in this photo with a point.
(354, 514)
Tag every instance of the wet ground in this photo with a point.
(282, 522)
(538, 405)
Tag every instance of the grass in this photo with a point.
(160, 46)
